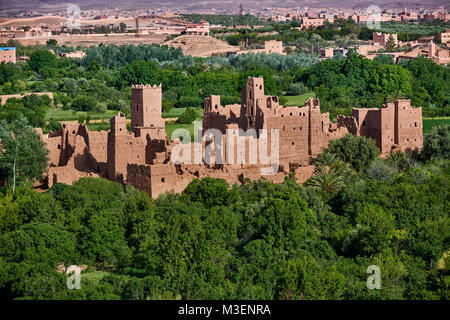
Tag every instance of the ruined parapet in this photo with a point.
(397, 125)
(349, 123)
(118, 124)
(408, 130)
(272, 102)
(253, 98)
(219, 117)
(157, 179)
(212, 104)
(313, 104)
(123, 148)
(75, 152)
(315, 127)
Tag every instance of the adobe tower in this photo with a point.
(146, 108)
(253, 98)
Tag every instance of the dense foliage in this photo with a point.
(214, 241)
(258, 240)
(358, 82)
(23, 155)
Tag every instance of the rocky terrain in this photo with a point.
(201, 46)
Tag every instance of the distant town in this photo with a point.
(113, 26)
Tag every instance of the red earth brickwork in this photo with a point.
(142, 157)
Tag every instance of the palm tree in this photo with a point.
(326, 179)
(330, 173)
(399, 159)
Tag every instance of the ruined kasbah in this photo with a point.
(258, 138)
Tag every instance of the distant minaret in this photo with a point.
(241, 14)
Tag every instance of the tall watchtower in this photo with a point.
(253, 97)
(146, 107)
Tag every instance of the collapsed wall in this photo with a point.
(395, 126)
(75, 152)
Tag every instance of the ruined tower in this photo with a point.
(315, 127)
(122, 149)
(253, 97)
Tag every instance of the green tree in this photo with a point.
(358, 151)
(188, 116)
(384, 59)
(436, 143)
(376, 232)
(387, 79)
(390, 44)
(210, 192)
(84, 103)
(24, 155)
(51, 43)
(296, 89)
(138, 72)
(330, 173)
(42, 59)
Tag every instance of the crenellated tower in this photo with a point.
(146, 108)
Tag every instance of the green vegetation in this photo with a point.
(23, 155)
(173, 113)
(171, 127)
(188, 116)
(258, 240)
(32, 107)
(411, 31)
(98, 86)
(429, 123)
(299, 100)
(224, 19)
(357, 82)
(70, 115)
(357, 151)
(437, 144)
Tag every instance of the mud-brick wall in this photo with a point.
(157, 179)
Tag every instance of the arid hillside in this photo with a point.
(201, 46)
(55, 21)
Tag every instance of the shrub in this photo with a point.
(296, 89)
(188, 116)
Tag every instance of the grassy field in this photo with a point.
(72, 115)
(411, 28)
(428, 123)
(299, 100)
(98, 126)
(173, 113)
(171, 127)
(94, 276)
